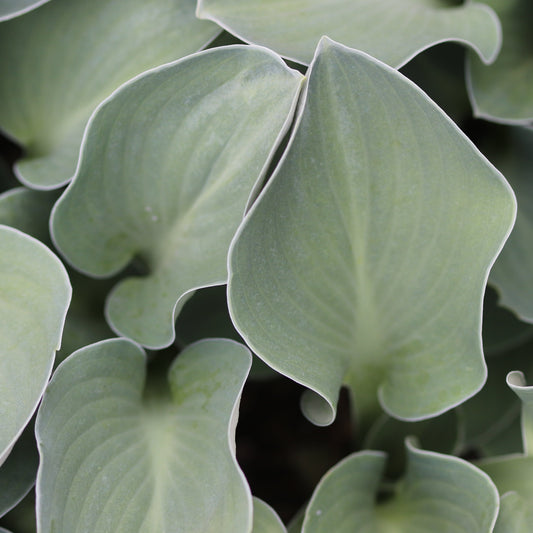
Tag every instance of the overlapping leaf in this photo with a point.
(61, 60)
(17, 474)
(502, 91)
(15, 8)
(438, 493)
(34, 297)
(119, 456)
(168, 166)
(502, 329)
(390, 30)
(29, 211)
(493, 413)
(442, 434)
(265, 519)
(511, 149)
(365, 260)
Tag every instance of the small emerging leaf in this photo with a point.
(391, 30)
(517, 383)
(118, 456)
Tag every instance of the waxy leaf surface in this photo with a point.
(61, 60)
(34, 297)
(438, 493)
(390, 30)
(365, 259)
(167, 168)
(502, 91)
(119, 456)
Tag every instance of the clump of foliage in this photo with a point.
(353, 172)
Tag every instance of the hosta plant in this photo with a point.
(265, 267)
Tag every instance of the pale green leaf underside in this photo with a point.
(502, 91)
(365, 260)
(512, 152)
(167, 168)
(64, 58)
(34, 297)
(119, 459)
(265, 519)
(390, 30)
(438, 493)
(14, 8)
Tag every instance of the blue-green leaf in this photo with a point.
(502, 91)
(60, 61)
(391, 30)
(438, 493)
(34, 296)
(364, 261)
(168, 166)
(120, 456)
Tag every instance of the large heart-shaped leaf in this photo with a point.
(118, 456)
(438, 493)
(390, 30)
(34, 297)
(61, 60)
(502, 91)
(168, 166)
(365, 260)
(15, 8)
